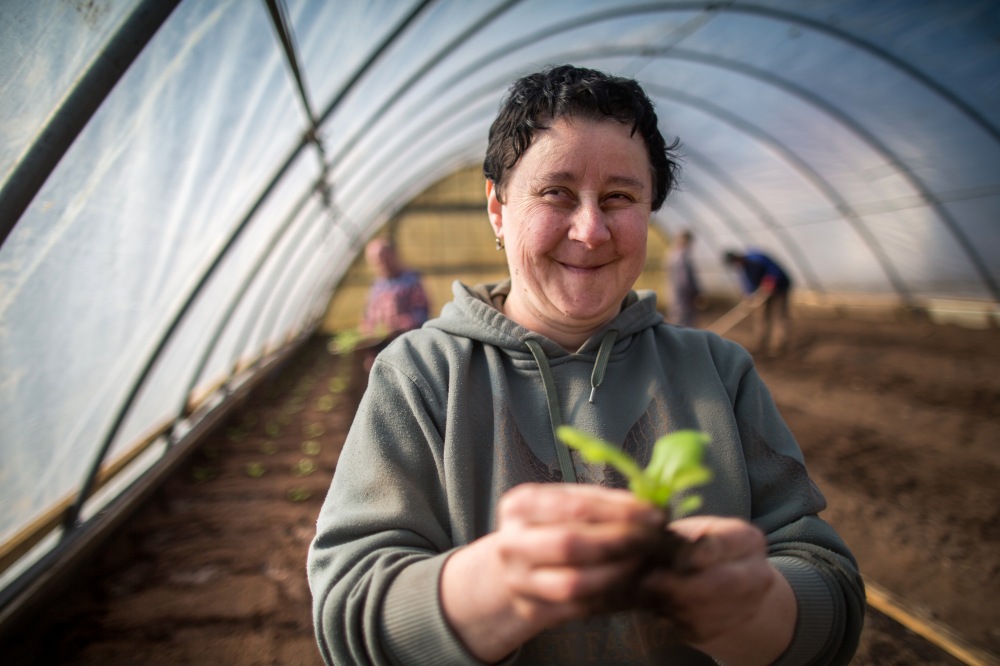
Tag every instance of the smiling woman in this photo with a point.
(445, 537)
(574, 219)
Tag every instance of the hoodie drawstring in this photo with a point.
(601, 364)
(552, 399)
(555, 416)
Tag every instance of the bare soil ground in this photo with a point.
(898, 421)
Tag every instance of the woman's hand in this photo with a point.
(728, 600)
(560, 552)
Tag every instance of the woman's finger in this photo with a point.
(709, 602)
(589, 586)
(578, 544)
(564, 502)
(719, 540)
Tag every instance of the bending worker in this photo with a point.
(459, 530)
(765, 284)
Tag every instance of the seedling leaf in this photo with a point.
(675, 465)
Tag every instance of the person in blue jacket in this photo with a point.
(765, 283)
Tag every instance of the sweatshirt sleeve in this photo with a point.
(383, 535)
(813, 558)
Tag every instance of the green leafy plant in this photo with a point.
(675, 466)
(304, 467)
(298, 494)
(345, 341)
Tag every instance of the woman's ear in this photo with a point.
(494, 209)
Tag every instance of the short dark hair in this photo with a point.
(557, 92)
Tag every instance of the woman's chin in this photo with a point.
(596, 311)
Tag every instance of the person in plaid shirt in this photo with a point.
(397, 301)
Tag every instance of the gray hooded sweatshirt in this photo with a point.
(462, 410)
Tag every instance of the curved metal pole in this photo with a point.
(270, 317)
(442, 53)
(791, 157)
(248, 279)
(803, 168)
(725, 216)
(873, 142)
(76, 109)
(373, 58)
(685, 210)
(988, 125)
(798, 257)
(967, 246)
(252, 321)
(279, 20)
(302, 311)
(73, 515)
(699, 223)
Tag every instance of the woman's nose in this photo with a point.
(589, 224)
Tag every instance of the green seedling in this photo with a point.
(299, 494)
(345, 342)
(311, 447)
(325, 403)
(675, 466)
(313, 430)
(304, 467)
(255, 469)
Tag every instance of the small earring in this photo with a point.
(500, 245)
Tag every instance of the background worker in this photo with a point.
(684, 286)
(766, 284)
(397, 301)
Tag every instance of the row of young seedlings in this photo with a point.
(310, 447)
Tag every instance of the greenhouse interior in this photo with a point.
(188, 189)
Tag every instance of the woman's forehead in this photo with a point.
(569, 149)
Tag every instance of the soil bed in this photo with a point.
(898, 422)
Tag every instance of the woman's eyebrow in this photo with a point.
(563, 176)
(625, 181)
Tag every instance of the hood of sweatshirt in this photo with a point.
(472, 314)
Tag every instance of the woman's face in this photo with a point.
(574, 221)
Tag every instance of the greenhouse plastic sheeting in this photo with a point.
(184, 183)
